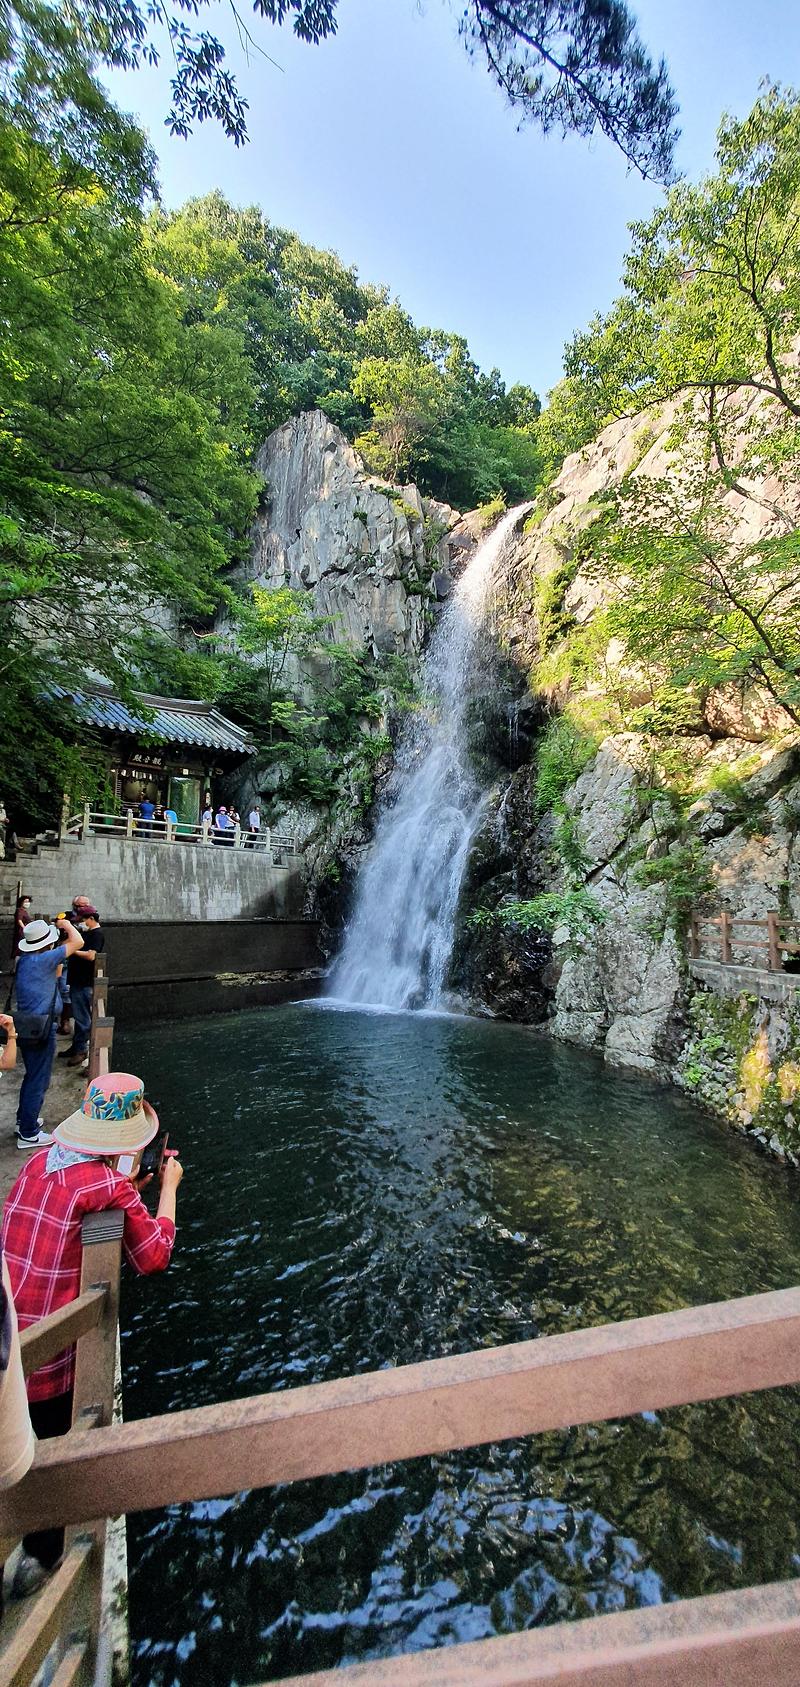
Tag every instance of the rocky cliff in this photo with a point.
(372, 556)
(596, 817)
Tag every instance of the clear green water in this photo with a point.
(364, 1190)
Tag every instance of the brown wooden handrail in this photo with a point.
(774, 943)
(613, 1370)
(42, 1341)
(29, 1645)
(749, 1638)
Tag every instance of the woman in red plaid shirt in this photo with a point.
(92, 1166)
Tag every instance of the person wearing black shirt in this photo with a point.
(81, 984)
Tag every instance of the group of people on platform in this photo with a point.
(225, 821)
(91, 1161)
(152, 820)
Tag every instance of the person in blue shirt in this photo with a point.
(41, 958)
(146, 811)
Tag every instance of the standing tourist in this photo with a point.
(41, 958)
(146, 812)
(42, 1244)
(21, 918)
(80, 974)
(253, 825)
(223, 826)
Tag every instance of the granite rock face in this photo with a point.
(371, 555)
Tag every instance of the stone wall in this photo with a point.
(741, 1053)
(149, 881)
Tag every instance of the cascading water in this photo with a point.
(397, 947)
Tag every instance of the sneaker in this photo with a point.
(42, 1139)
(78, 1057)
(65, 1054)
(29, 1576)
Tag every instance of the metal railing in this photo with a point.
(92, 822)
(722, 932)
(616, 1370)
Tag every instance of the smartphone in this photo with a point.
(153, 1157)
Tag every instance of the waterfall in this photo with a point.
(397, 947)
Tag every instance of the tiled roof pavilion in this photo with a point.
(174, 720)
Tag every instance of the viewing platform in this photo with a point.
(731, 955)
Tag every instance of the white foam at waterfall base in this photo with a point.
(397, 947)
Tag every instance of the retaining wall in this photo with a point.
(154, 881)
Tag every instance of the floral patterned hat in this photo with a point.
(113, 1117)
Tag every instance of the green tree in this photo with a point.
(268, 628)
(713, 302)
(579, 65)
(574, 64)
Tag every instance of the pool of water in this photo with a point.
(371, 1189)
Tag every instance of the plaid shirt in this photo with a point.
(42, 1245)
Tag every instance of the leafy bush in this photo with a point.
(684, 875)
(564, 750)
(491, 512)
(576, 909)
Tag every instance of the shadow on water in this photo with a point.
(366, 1190)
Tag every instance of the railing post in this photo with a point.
(206, 832)
(694, 937)
(725, 939)
(267, 836)
(93, 1399)
(87, 822)
(129, 824)
(101, 1035)
(237, 836)
(774, 961)
(170, 831)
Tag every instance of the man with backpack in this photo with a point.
(41, 957)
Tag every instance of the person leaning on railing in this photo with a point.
(92, 1166)
(17, 1441)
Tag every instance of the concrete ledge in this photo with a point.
(162, 1000)
(753, 981)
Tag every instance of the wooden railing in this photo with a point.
(101, 1470)
(648, 1364)
(67, 1613)
(91, 822)
(722, 933)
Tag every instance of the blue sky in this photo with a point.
(387, 145)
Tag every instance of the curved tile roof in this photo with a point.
(174, 720)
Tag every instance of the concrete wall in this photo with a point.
(168, 970)
(165, 950)
(154, 881)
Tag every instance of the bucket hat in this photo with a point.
(38, 933)
(113, 1117)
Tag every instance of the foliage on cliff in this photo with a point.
(698, 597)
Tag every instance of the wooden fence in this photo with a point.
(612, 1371)
(770, 940)
(101, 1470)
(67, 1613)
